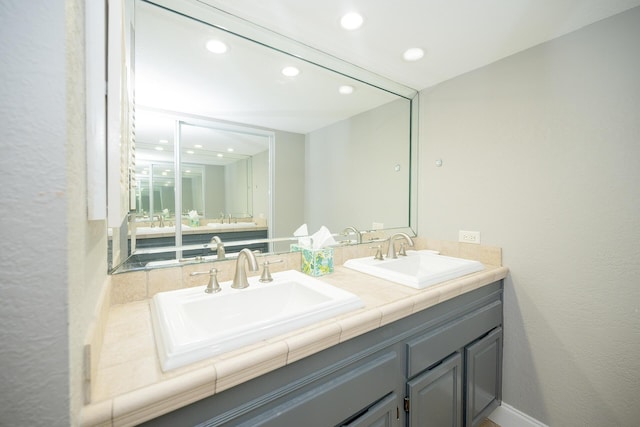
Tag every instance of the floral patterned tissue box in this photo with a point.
(315, 262)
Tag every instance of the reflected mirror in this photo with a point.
(258, 149)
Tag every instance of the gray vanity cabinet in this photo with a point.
(483, 361)
(385, 413)
(438, 367)
(434, 398)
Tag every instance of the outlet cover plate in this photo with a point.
(469, 236)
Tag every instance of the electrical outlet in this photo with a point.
(377, 226)
(469, 236)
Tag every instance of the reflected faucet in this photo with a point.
(240, 278)
(220, 252)
(391, 252)
(355, 231)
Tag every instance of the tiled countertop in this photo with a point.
(131, 388)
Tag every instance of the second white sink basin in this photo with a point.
(418, 269)
(191, 325)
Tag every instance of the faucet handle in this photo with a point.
(265, 277)
(378, 254)
(213, 286)
(403, 249)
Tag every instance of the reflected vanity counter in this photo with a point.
(157, 237)
(126, 385)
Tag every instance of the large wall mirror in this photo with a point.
(246, 135)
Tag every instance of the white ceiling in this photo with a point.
(175, 73)
(457, 35)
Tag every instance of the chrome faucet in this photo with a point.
(240, 278)
(391, 252)
(355, 231)
(219, 247)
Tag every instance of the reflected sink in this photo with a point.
(419, 269)
(232, 225)
(159, 230)
(191, 325)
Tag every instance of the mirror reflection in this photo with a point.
(255, 146)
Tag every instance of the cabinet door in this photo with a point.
(383, 414)
(435, 397)
(484, 377)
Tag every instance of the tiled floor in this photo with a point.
(488, 423)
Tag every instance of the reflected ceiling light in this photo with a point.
(197, 146)
(216, 46)
(219, 154)
(413, 54)
(351, 21)
(159, 148)
(230, 150)
(163, 141)
(346, 89)
(290, 71)
(188, 171)
(190, 151)
(164, 173)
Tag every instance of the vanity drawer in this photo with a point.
(433, 346)
(346, 394)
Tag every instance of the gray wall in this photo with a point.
(53, 264)
(260, 184)
(236, 182)
(350, 173)
(289, 182)
(541, 154)
(215, 191)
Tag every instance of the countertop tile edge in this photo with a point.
(149, 402)
(249, 365)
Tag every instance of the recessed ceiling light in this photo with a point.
(163, 141)
(290, 71)
(197, 146)
(219, 154)
(190, 151)
(230, 150)
(346, 89)
(216, 46)
(188, 171)
(351, 21)
(413, 54)
(159, 148)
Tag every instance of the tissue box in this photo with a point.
(315, 262)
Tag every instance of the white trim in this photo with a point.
(96, 126)
(508, 416)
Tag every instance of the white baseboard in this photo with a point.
(508, 416)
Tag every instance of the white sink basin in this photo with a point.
(418, 269)
(191, 325)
